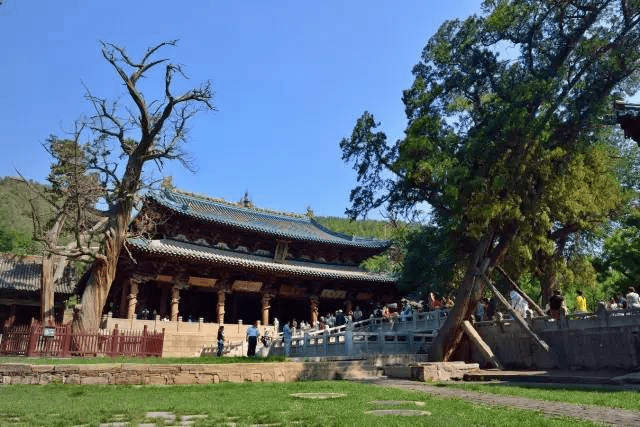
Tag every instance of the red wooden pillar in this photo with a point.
(145, 340)
(115, 344)
(66, 340)
(34, 331)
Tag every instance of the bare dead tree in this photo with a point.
(125, 139)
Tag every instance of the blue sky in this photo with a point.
(290, 80)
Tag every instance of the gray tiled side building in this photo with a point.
(20, 289)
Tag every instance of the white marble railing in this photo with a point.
(371, 336)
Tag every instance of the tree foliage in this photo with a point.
(621, 254)
(503, 110)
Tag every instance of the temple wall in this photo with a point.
(602, 341)
(188, 339)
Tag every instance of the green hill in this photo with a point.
(16, 226)
(362, 228)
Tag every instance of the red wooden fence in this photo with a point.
(61, 341)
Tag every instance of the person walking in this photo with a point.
(633, 300)
(581, 303)
(252, 337)
(286, 338)
(220, 340)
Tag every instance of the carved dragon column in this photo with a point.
(224, 288)
(132, 298)
(266, 305)
(175, 300)
(314, 303)
(220, 312)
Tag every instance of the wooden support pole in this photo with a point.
(484, 348)
(543, 345)
(531, 302)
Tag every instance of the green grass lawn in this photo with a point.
(145, 360)
(247, 404)
(612, 398)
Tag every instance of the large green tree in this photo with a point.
(619, 262)
(502, 105)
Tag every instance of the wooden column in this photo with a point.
(266, 300)
(12, 317)
(175, 300)
(132, 299)
(124, 307)
(348, 306)
(314, 303)
(220, 311)
(47, 288)
(164, 301)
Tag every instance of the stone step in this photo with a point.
(431, 371)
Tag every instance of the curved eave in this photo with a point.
(198, 254)
(275, 225)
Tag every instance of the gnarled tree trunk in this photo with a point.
(103, 270)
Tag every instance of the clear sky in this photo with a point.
(290, 80)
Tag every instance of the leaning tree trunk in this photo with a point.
(483, 261)
(99, 282)
(548, 283)
(450, 334)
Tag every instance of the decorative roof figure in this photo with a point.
(246, 201)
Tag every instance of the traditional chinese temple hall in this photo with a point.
(195, 257)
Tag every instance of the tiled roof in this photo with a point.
(22, 274)
(628, 117)
(278, 225)
(626, 109)
(191, 252)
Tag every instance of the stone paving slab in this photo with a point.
(591, 377)
(597, 414)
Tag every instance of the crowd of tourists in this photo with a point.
(486, 308)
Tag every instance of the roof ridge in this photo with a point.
(235, 204)
(279, 225)
(21, 258)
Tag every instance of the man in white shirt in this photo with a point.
(633, 300)
(252, 337)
